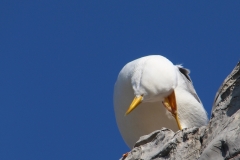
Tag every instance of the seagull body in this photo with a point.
(159, 89)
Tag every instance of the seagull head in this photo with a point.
(153, 79)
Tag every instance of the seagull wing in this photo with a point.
(185, 75)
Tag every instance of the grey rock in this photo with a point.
(220, 139)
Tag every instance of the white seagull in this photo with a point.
(155, 89)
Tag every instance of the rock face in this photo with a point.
(219, 140)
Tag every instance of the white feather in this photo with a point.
(154, 77)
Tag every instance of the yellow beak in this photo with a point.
(171, 105)
(136, 101)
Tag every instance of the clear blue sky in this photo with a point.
(59, 61)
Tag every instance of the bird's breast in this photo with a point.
(145, 119)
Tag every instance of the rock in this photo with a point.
(219, 140)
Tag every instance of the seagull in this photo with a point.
(161, 95)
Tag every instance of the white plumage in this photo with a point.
(153, 79)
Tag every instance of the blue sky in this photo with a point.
(59, 61)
